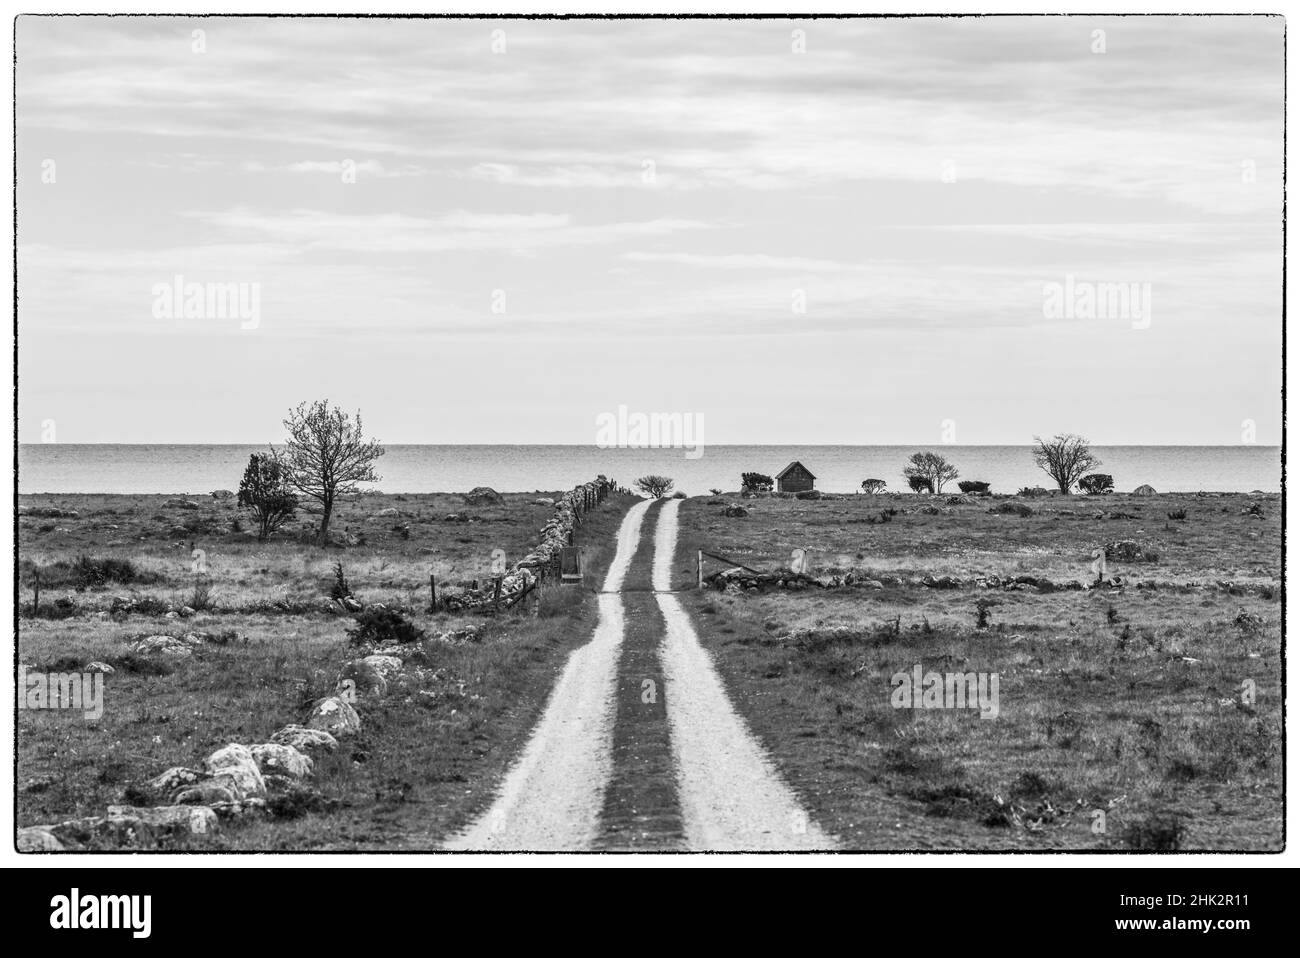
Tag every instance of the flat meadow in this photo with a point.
(1145, 714)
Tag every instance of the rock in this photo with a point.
(333, 715)
(105, 833)
(483, 496)
(48, 512)
(222, 494)
(962, 500)
(234, 765)
(872, 583)
(102, 667)
(929, 511)
(164, 645)
(1012, 509)
(185, 612)
(735, 512)
(38, 838)
(543, 502)
(305, 740)
(389, 513)
(1144, 490)
(172, 820)
(207, 793)
(941, 582)
(166, 786)
(455, 517)
(364, 678)
(180, 504)
(282, 760)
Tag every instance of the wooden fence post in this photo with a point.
(699, 569)
(433, 595)
(496, 594)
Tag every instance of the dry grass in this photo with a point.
(1124, 701)
(428, 756)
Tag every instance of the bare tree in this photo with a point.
(1065, 458)
(265, 493)
(326, 456)
(655, 486)
(931, 466)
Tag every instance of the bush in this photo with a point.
(265, 492)
(380, 625)
(920, 484)
(1033, 492)
(85, 572)
(679, 494)
(340, 589)
(1178, 515)
(967, 485)
(755, 482)
(1096, 484)
(715, 492)
(1012, 509)
(873, 486)
(656, 487)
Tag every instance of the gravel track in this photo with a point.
(731, 797)
(551, 799)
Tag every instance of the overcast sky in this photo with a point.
(649, 202)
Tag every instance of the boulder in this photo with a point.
(101, 667)
(207, 793)
(235, 766)
(483, 496)
(180, 504)
(543, 502)
(364, 677)
(222, 494)
(1144, 490)
(735, 512)
(333, 715)
(166, 786)
(305, 740)
(282, 760)
(164, 645)
(38, 838)
(171, 821)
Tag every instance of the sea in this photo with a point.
(198, 469)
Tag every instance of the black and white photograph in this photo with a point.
(648, 435)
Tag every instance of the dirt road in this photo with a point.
(703, 783)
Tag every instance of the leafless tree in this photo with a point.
(931, 466)
(326, 456)
(655, 486)
(1065, 458)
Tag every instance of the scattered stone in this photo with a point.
(170, 821)
(282, 760)
(305, 740)
(483, 496)
(165, 645)
(48, 512)
(101, 667)
(333, 715)
(234, 766)
(166, 786)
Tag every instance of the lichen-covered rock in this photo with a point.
(282, 760)
(169, 821)
(164, 788)
(483, 496)
(209, 792)
(38, 838)
(333, 715)
(363, 678)
(234, 765)
(306, 740)
(101, 667)
(164, 645)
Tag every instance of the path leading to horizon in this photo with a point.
(639, 747)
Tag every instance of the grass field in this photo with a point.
(427, 757)
(1127, 701)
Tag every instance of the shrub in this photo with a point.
(1097, 483)
(1156, 833)
(264, 491)
(380, 625)
(201, 597)
(969, 485)
(656, 487)
(873, 486)
(1178, 515)
(340, 589)
(920, 484)
(85, 572)
(715, 492)
(1033, 492)
(1012, 509)
(755, 482)
(679, 494)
